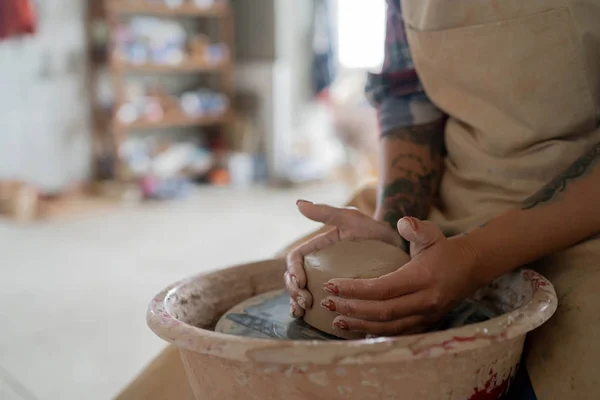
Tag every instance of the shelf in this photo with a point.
(124, 7)
(176, 121)
(185, 67)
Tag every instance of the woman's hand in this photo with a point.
(346, 223)
(412, 299)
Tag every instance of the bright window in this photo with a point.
(361, 33)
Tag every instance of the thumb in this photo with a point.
(420, 234)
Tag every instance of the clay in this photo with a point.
(346, 259)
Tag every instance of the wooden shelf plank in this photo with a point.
(185, 67)
(124, 7)
(176, 121)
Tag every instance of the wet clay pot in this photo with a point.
(346, 259)
(472, 362)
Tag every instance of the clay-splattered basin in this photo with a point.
(471, 362)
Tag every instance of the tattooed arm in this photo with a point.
(442, 271)
(410, 167)
(562, 213)
(412, 130)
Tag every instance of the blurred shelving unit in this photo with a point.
(162, 9)
(120, 69)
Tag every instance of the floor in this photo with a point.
(73, 293)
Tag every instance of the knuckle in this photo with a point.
(291, 258)
(386, 314)
(342, 307)
(346, 308)
(385, 291)
(349, 289)
(360, 326)
(292, 291)
(428, 276)
(400, 327)
(434, 301)
(294, 294)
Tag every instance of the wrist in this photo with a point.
(494, 255)
(473, 258)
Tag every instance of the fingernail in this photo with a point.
(328, 304)
(341, 324)
(295, 280)
(409, 223)
(331, 288)
(301, 302)
(304, 201)
(293, 312)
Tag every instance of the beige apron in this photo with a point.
(520, 80)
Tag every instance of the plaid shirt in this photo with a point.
(396, 92)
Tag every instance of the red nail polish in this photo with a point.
(331, 288)
(328, 304)
(295, 280)
(343, 325)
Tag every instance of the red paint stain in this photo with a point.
(491, 389)
(537, 281)
(214, 348)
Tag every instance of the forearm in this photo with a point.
(411, 162)
(562, 213)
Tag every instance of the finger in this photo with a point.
(295, 310)
(352, 223)
(295, 258)
(378, 311)
(295, 267)
(291, 287)
(301, 297)
(420, 234)
(406, 280)
(324, 213)
(390, 328)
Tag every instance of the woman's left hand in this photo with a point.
(413, 298)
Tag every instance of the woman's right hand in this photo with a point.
(346, 223)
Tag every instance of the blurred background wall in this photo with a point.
(44, 119)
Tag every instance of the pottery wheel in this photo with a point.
(267, 316)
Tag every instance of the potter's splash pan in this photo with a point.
(471, 362)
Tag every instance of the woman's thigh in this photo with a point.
(563, 355)
(163, 379)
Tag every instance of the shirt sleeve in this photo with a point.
(396, 91)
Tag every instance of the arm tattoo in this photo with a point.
(431, 135)
(559, 184)
(409, 156)
(412, 193)
(407, 196)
